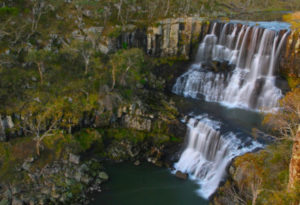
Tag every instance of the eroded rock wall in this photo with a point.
(291, 60)
(167, 38)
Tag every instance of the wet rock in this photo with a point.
(181, 175)
(74, 159)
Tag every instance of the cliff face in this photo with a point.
(5, 123)
(168, 38)
(291, 60)
(175, 38)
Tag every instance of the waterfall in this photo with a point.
(209, 151)
(252, 52)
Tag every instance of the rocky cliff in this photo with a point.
(291, 60)
(6, 123)
(167, 38)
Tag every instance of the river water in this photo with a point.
(146, 185)
(150, 185)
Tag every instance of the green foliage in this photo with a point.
(86, 138)
(123, 133)
(7, 11)
(293, 82)
(12, 154)
(284, 123)
(270, 168)
(127, 67)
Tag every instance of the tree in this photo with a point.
(252, 174)
(84, 48)
(127, 66)
(286, 122)
(39, 58)
(41, 117)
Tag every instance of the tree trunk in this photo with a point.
(294, 172)
(120, 10)
(39, 65)
(38, 147)
(86, 67)
(168, 7)
(113, 77)
(254, 196)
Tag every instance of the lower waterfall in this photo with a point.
(209, 151)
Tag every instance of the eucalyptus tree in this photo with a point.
(39, 57)
(127, 67)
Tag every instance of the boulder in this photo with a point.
(26, 166)
(77, 176)
(181, 175)
(75, 159)
(85, 179)
(103, 175)
(2, 130)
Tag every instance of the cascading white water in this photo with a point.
(209, 151)
(254, 53)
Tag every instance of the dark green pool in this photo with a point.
(145, 185)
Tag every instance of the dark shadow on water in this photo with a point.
(146, 185)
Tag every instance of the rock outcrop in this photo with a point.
(60, 182)
(168, 38)
(291, 60)
(6, 123)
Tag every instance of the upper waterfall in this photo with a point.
(251, 51)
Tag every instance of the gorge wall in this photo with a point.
(170, 38)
